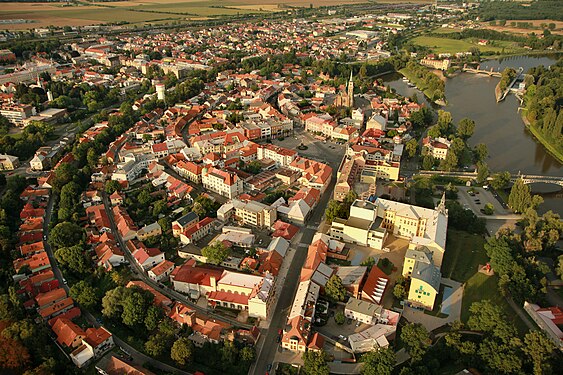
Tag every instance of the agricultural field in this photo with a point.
(516, 30)
(445, 45)
(142, 11)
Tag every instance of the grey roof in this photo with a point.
(189, 217)
(428, 273)
(363, 307)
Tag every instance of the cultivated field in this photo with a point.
(444, 45)
(516, 30)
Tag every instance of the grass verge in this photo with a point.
(553, 150)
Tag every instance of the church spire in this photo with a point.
(351, 89)
(441, 208)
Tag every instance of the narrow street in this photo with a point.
(268, 344)
(170, 293)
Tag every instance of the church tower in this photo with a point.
(351, 91)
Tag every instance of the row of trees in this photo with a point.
(426, 80)
(543, 99)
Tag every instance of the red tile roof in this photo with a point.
(66, 331)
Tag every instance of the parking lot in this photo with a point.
(329, 152)
(476, 198)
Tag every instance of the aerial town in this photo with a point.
(300, 189)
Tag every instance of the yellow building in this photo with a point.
(425, 278)
(380, 169)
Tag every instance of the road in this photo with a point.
(267, 348)
(170, 293)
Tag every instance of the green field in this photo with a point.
(480, 287)
(445, 45)
(464, 253)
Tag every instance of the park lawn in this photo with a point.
(445, 45)
(464, 252)
(481, 287)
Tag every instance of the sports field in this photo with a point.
(142, 11)
(444, 45)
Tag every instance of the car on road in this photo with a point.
(278, 339)
(45, 238)
(269, 367)
(342, 337)
(64, 281)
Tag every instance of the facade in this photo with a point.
(436, 147)
(436, 64)
(253, 213)
(161, 271)
(8, 162)
(149, 231)
(362, 311)
(223, 183)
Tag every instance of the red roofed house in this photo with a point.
(375, 286)
(161, 271)
(68, 333)
(285, 230)
(96, 342)
(144, 256)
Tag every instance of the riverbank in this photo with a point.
(420, 85)
(554, 151)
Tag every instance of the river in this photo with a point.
(498, 125)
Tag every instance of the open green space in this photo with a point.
(464, 252)
(481, 287)
(445, 45)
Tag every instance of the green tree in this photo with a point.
(450, 162)
(416, 339)
(378, 362)
(153, 317)
(84, 294)
(182, 351)
(539, 348)
(339, 318)
(314, 363)
(216, 252)
(248, 354)
(480, 152)
(334, 289)
(411, 147)
(465, 128)
(489, 209)
(520, 197)
(135, 307)
(112, 186)
(482, 172)
(156, 345)
(65, 235)
(399, 291)
(333, 210)
(427, 162)
(112, 302)
(74, 259)
(500, 180)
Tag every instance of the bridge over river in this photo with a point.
(528, 179)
